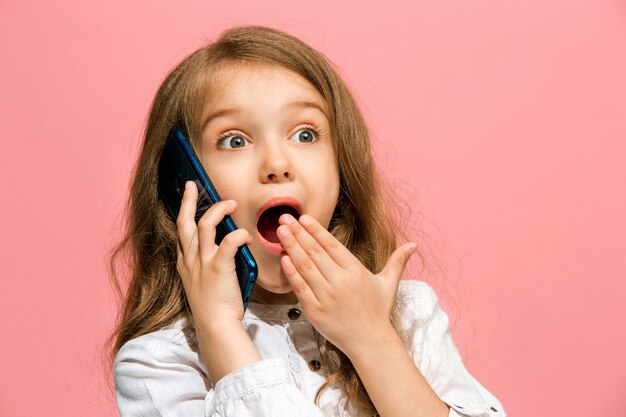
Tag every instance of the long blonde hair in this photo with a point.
(362, 221)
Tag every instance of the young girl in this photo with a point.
(330, 330)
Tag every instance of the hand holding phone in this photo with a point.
(179, 164)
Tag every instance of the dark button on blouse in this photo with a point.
(315, 365)
(293, 314)
(494, 409)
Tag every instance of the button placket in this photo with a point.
(304, 339)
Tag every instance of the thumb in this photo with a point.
(397, 261)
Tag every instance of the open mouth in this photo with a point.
(268, 221)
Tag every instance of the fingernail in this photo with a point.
(283, 230)
(287, 218)
(187, 185)
(305, 219)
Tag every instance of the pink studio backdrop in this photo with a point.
(503, 122)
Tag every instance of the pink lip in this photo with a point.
(273, 202)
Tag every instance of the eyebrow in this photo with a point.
(302, 104)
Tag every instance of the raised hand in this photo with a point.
(345, 302)
(208, 270)
(210, 281)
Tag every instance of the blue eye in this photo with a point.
(307, 135)
(235, 141)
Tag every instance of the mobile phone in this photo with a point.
(179, 164)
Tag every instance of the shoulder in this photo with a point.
(416, 300)
(424, 328)
(175, 344)
(160, 373)
(417, 315)
(174, 335)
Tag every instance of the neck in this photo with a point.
(263, 296)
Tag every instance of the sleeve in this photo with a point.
(163, 379)
(425, 328)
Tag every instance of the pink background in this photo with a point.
(503, 122)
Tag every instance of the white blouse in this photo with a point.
(162, 374)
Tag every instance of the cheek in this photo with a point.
(231, 185)
(227, 180)
(325, 189)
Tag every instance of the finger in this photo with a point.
(207, 227)
(180, 261)
(302, 262)
(303, 291)
(186, 225)
(225, 255)
(320, 257)
(333, 247)
(397, 261)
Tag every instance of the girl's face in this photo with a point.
(265, 134)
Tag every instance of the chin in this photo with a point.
(271, 276)
(275, 287)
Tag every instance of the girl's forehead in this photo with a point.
(235, 84)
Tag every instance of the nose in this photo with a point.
(276, 166)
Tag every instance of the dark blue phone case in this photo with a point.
(179, 164)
